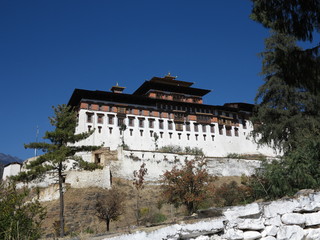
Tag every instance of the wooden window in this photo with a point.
(151, 121)
(161, 134)
(131, 130)
(204, 128)
(204, 137)
(100, 118)
(89, 117)
(188, 136)
(141, 133)
(120, 122)
(228, 130)
(179, 135)
(179, 127)
(89, 128)
(170, 135)
(196, 137)
(196, 128)
(110, 130)
(236, 132)
(131, 121)
(170, 125)
(187, 126)
(110, 119)
(99, 129)
(212, 137)
(151, 133)
(221, 129)
(212, 128)
(160, 124)
(141, 122)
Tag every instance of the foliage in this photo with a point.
(138, 182)
(179, 150)
(19, 218)
(188, 185)
(298, 169)
(289, 118)
(246, 156)
(157, 218)
(230, 194)
(110, 206)
(58, 152)
(299, 19)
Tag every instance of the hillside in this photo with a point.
(5, 159)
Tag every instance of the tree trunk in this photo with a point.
(61, 201)
(108, 224)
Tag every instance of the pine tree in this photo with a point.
(61, 149)
(299, 19)
(288, 113)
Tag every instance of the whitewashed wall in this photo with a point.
(11, 170)
(214, 144)
(157, 163)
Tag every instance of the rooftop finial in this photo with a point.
(168, 76)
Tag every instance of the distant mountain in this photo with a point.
(5, 159)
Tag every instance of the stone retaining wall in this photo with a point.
(287, 219)
(294, 219)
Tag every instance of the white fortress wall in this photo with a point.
(157, 163)
(209, 138)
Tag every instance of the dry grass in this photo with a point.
(80, 216)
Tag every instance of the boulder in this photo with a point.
(270, 231)
(251, 235)
(293, 219)
(290, 232)
(250, 224)
(274, 221)
(312, 234)
(280, 207)
(312, 219)
(249, 210)
(268, 238)
(232, 234)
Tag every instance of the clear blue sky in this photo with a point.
(49, 48)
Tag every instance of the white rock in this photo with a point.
(251, 235)
(280, 207)
(290, 232)
(293, 219)
(251, 224)
(268, 238)
(312, 234)
(233, 234)
(274, 221)
(312, 218)
(270, 231)
(308, 204)
(242, 211)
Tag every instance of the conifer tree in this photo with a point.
(288, 110)
(299, 19)
(60, 149)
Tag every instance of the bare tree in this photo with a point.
(138, 182)
(110, 206)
